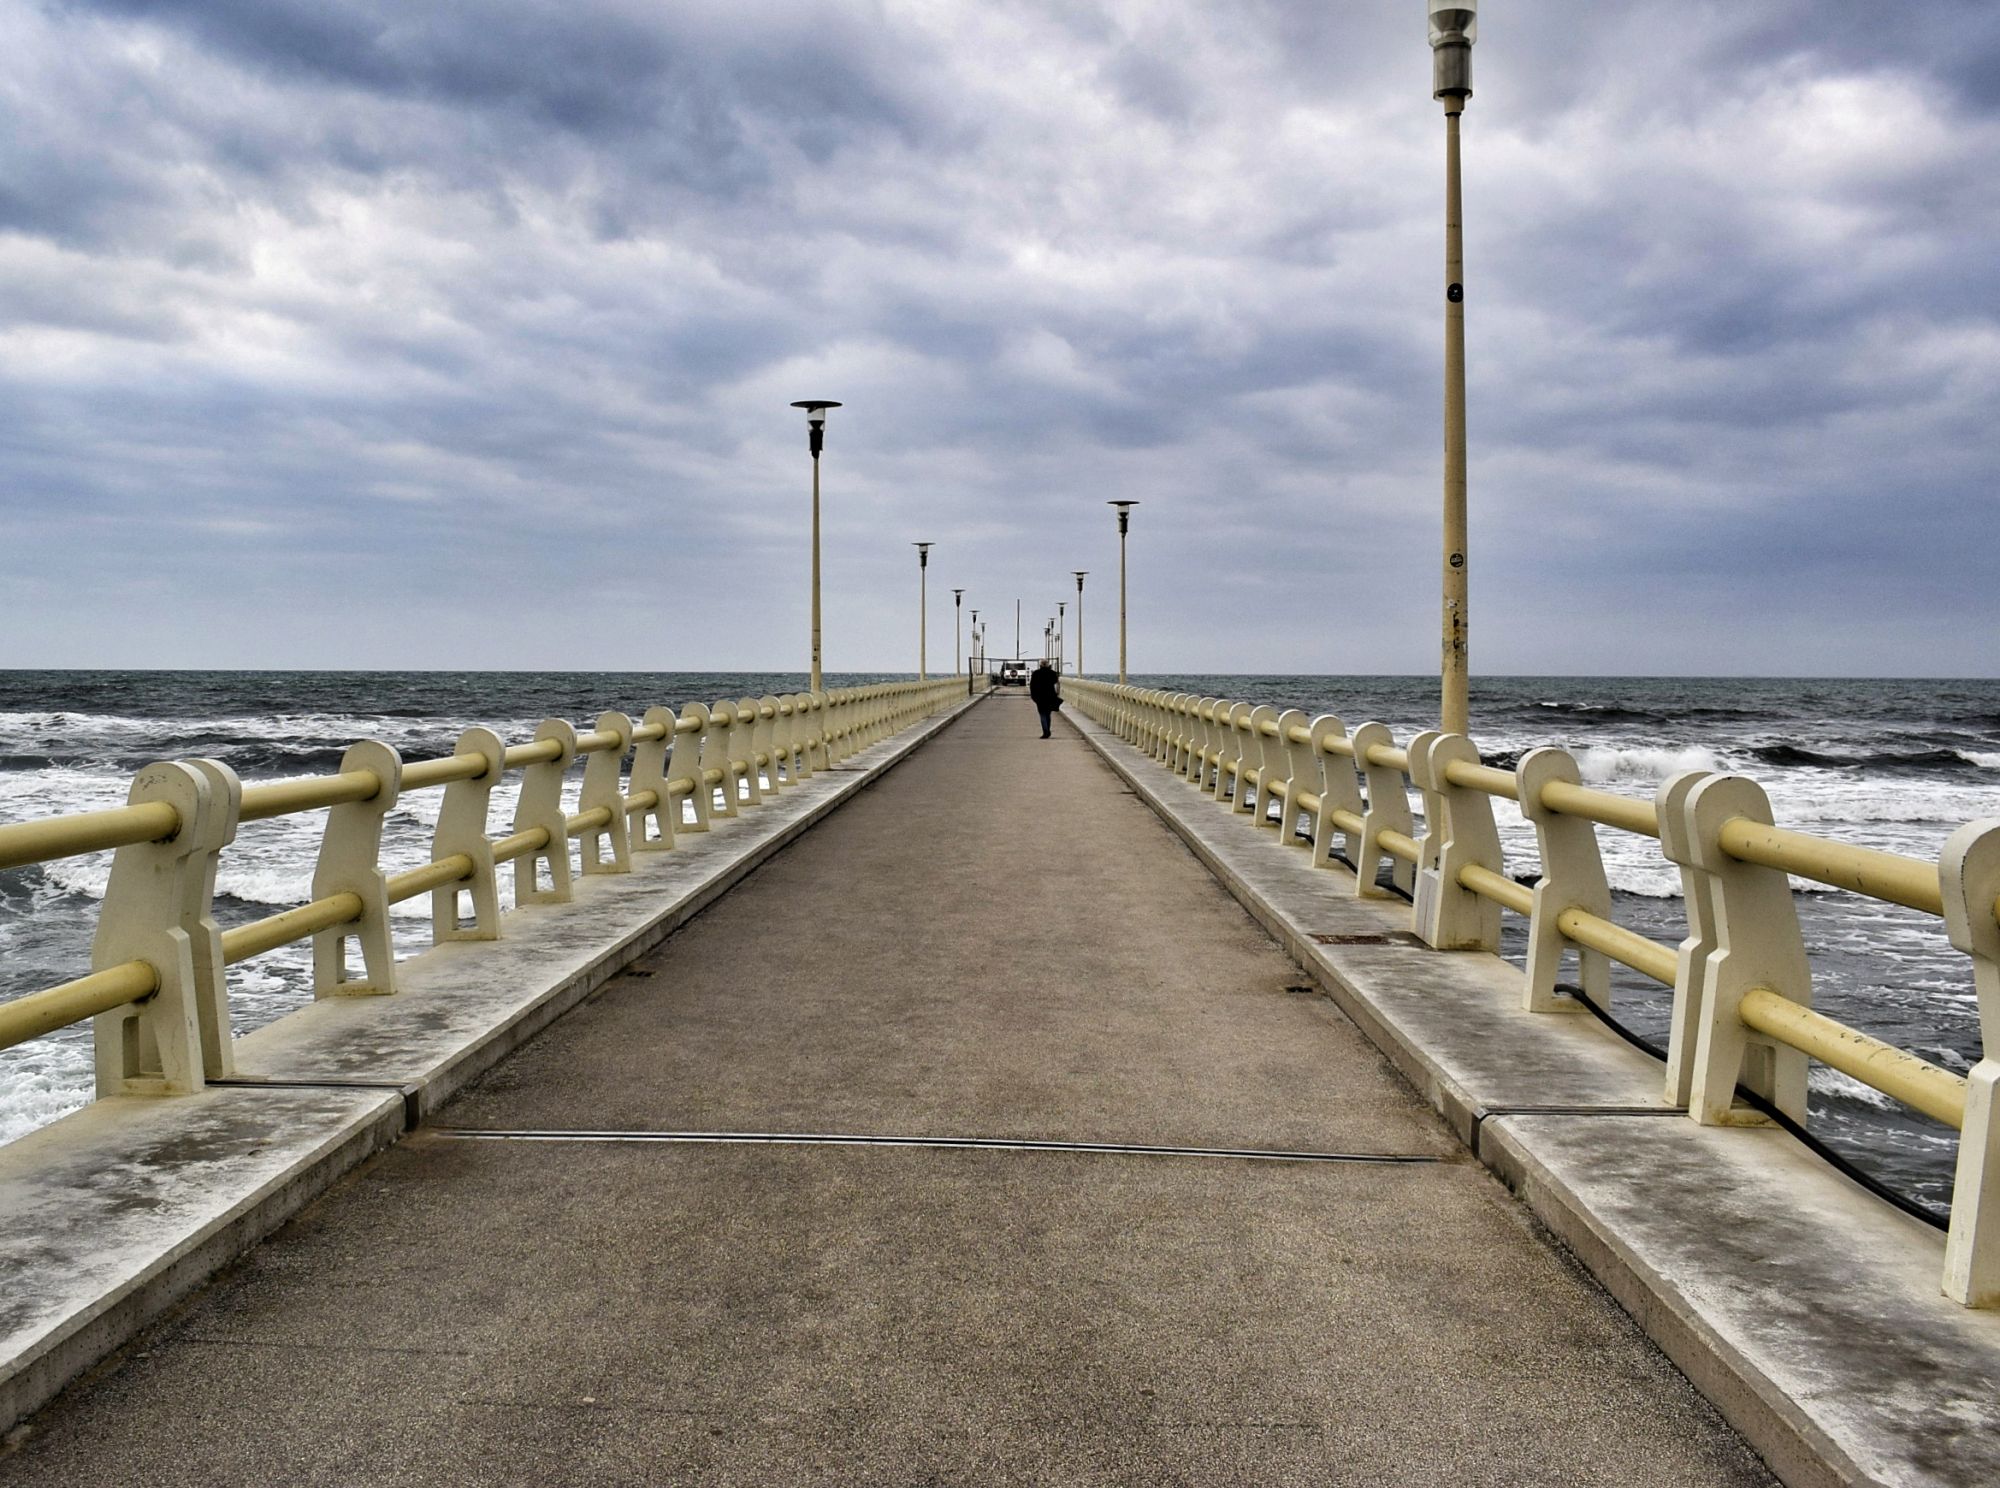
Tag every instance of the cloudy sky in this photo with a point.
(404, 333)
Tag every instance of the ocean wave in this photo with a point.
(1604, 764)
(1983, 759)
(1911, 761)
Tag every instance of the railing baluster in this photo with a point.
(157, 908)
(541, 809)
(1758, 944)
(350, 862)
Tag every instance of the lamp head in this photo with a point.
(1124, 514)
(815, 421)
(1079, 572)
(1454, 28)
(923, 554)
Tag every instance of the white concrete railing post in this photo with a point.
(1388, 811)
(350, 862)
(1757, 944)
(1300, 774)
(1175, 758)
(784, 763)
(461, 831)
(1458, 833)
(1339, 790)
(1970, 878)
(1258, 751)
(685, 764)
(751, 741)
(1228, 751)
(607, 849)
(1572, 878)
(541, 805)
(1215, 734)
(1698, 946)
(657, 823)
(718, 748)
(159, 908)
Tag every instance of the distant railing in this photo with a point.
(1742, 986)
(157, 988)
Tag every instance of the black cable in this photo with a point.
(1756, 1102)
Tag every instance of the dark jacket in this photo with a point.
(1042, 688)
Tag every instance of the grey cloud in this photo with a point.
(444, 301)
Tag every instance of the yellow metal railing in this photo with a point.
(769, 743)
(1241, 749)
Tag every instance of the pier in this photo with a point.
(970, 1107)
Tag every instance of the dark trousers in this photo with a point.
(1047, 713)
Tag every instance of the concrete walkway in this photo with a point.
(996, 942)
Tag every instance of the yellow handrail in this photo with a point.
(1647, 957)
(1866, 870)
(44, 1012)
(283, 797)
(1396, 842)
(1938, 1093)
(281, 929)
(87, 831)
(1495, 782)
(1624, 812)
(443, 771)
(431, 876)
(1498, 887)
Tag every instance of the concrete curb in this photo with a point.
(1806, 1310)
(113, 1214)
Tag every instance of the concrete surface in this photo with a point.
(114, 1212)
(994, 940)
(462, 1006)
(1805, 1308)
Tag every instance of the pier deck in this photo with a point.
(996, 943)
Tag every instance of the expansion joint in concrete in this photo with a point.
(958, 1144)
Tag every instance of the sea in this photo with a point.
(1892, 764)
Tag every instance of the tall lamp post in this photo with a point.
(1062, 631)
(815, 436)
(957, 630)
(1124, 525)
(923, 579)
(1454, 27)
(977, 653)
(1079, 572)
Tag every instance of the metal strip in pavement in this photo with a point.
(977, 1144)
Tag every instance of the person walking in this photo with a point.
(1042, 688)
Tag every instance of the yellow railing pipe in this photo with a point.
(1938, 1093)
(88, 831)
(1628, 947)
(1866, 870)
(540, 751)
(1624, 812)
(1494, 782)
(267, 934)
(1498, 887)
(431, 876)
(1402, 846)
(442, 771)
(44, 1012)
(283, 797)
(520, 844)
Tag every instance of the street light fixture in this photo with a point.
(957, 630)
(1079, 572)
(815, 436)
(1062, 630)
(1454, 26)
(1124, 524)
(923, 605)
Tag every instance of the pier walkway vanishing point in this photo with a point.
(962, 1000)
